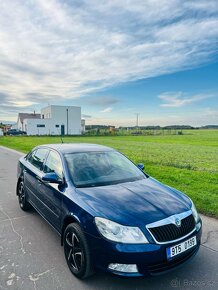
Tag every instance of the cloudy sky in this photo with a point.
(114, 58)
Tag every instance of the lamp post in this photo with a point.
(137, 120)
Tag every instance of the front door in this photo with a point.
(50, 193)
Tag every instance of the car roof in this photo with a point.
(76, 147)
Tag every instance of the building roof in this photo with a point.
(23, 116)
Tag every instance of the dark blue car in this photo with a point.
(111, 216)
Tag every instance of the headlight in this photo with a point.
(119, 233)
(195, 213)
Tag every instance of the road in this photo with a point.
(31, 256)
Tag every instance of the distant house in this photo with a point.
(6, 127)
(22, 117)
(53, 120)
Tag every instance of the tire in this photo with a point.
(23, 203)
(77, 251)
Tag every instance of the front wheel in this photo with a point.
(77, 252)
(24, 204)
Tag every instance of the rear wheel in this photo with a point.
(77, 252)
(24, 204)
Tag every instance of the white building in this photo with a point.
(55, 120)
(22, 117)
(1, 132)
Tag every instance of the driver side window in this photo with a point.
(54, 164)
(37, 157)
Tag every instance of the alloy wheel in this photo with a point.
(74, 252)
(21, 194)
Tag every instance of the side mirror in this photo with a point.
(141, 166)
(52, 177)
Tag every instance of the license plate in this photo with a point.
(182, 247)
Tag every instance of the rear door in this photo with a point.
(50, 193)
(32, 174)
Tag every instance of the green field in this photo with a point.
(187, 162)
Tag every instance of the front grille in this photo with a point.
(171, 232)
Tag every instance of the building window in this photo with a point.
(57, 126)
(40, 126)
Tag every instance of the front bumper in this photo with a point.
(150, 258)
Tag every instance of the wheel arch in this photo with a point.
(71, 218)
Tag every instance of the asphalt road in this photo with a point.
(31, 256)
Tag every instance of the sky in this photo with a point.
(113, 58)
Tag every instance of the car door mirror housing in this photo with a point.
(141, 166)
(52, 177)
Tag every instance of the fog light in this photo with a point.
(127, 268)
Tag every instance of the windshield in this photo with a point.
(101, 168)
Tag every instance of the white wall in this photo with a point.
(55, 116)
(31, 127)
(1, 132)
(19, 125)
(59, 116)
(46, 113)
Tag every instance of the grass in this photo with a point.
(187, 162)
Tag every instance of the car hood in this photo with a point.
(134, 203)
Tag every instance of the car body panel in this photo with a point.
(133, 201)
(31, 183)
(50, 196)
(143, 255)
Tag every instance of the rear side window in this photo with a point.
(37, 158)
(54, 164)
(29, 157)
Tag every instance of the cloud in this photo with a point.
(86, 116)
(10, 107)
(179, 99)
(196, 118)
(18, 104)
(211, 113)
(102, 101)
(107, 110)
(201, 5)
(63, 50)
